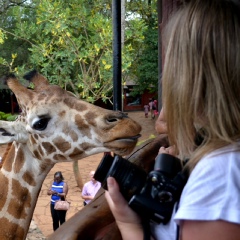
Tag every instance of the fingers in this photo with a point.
(169, 150)
(115, 199)
(118, 205)
(127, 220)
(163, 150)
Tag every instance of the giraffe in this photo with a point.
(95, 221)
(54, 126)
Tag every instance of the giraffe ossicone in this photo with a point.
(54, 126)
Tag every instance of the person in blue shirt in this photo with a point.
(58, 191)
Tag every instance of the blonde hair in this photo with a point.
(201, 77)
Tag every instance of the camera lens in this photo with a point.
(101, 173)
(168, 165)
(129, 176)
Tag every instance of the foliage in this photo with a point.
(145, 68)
(14, 50)
(70, 42)
(147, 64)
(7, 116)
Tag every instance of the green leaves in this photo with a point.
(70, 42)
(73, 41)
(2, 37)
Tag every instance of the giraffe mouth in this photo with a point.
(127, 142)
(134, 138)
(122, 146)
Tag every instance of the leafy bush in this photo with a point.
(11, 118)
(7, 116)
(1, 115)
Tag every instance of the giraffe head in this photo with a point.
(58, 126)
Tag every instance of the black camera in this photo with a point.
(151, 195)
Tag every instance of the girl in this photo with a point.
(201, 85)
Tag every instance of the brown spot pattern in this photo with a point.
(82, 126)
(59, 157)
(32, 140)
(10, 230)
(61, 144)
(90, 117)
(45, 165)
(62, 113)
(36, 136)
(80, 121)
(40, 150)
(4, 190)
(86, 146)
(10, 158)
(19, 161)
(48, 147)
(75, 152)
(73, 104)
(41, 96)
(29, 178)
(36, 154)
(67, 131)
(21, 200)
(73, 136)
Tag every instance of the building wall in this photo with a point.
(144, 99)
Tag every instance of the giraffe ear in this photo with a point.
(12, 131)
(39, 81)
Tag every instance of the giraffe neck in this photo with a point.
(21, 178)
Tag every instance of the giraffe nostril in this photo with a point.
(116, 117)
(112, 120)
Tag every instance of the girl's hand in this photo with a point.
(169, 150)
(127, 220)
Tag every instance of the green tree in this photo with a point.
(71, 43)
(14, 50)
(145, 67)
(147, 63)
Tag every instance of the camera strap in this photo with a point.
(179, 182)
(146, 229)
(184, 174)
(178, 228)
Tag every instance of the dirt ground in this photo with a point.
(41, 226)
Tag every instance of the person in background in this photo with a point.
(90, 189)
(146, 110)
(155, 107)
(150, 104)
(58, 191)
(200, 85)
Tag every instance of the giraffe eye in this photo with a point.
(41, 124)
